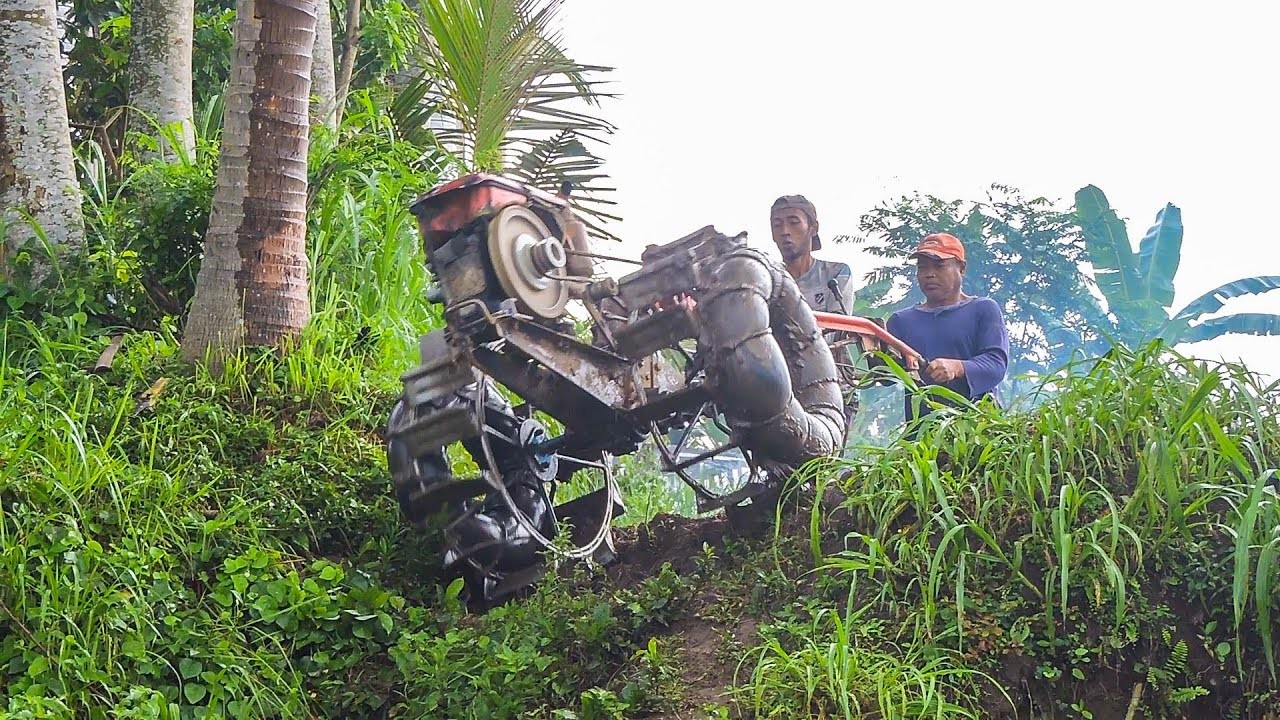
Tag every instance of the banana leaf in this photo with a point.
(1159, 254)
(1238, 324)
(1213, 300)
(1107, 242)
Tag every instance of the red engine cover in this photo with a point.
(449, 207)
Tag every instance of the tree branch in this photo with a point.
(350, 46)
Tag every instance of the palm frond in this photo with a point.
(548, 164)
(505, 96)
(411, 112)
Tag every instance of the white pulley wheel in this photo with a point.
(524, 254)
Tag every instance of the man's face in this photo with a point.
(792, 233)
(939, 279)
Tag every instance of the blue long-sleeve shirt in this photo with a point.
(971, 331)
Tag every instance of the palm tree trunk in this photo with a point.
(160, 69)
(253, 282)
(37, 175)
(323, 79)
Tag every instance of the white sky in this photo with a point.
(1152, 102)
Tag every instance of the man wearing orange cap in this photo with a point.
(962, 337)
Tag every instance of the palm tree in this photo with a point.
(161, 37)
(500, 91)
(1139, 287)
(39, 195)
(324, 79)
(253, 285)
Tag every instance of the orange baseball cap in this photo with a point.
(940, 246)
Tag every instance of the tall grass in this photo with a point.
(230, 544)
(180, 542)
(97, 525)
(230, 548)
(1147, 481)
(841, 666)
(368, 268)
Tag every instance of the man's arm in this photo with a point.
(985, 370)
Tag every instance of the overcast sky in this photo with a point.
(724, 108)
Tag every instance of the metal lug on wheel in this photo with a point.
(439, 429)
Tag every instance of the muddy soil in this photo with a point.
(709, 649)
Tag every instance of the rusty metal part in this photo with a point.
(494, 540)
(507, 259)
(448, 208)
(535, 529)
(458, 264)
(604, 375)
(600, 330)
(651, 333)
(669, 271)
(601, 289)
(659, 375)
(678, 457)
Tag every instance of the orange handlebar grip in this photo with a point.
(863, 326)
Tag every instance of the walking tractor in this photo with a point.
(707, 348)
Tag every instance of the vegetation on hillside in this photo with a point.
(179, 541)
(228, 544)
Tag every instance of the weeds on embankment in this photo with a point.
(228, 547)
(1115, 544)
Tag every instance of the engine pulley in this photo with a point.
(525, 257)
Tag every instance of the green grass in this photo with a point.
(845, 667)
(1138, 499)
(235, 550)
(232, 549)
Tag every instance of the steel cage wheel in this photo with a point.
(492, 476)
(699, 436)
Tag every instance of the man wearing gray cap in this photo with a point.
(827, 285)
(794, 221)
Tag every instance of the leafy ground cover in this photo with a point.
(227, 546)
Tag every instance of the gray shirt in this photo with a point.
(813, 285)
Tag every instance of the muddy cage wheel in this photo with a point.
(705, 441)
(545, 467)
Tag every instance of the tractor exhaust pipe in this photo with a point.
(768, 369)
